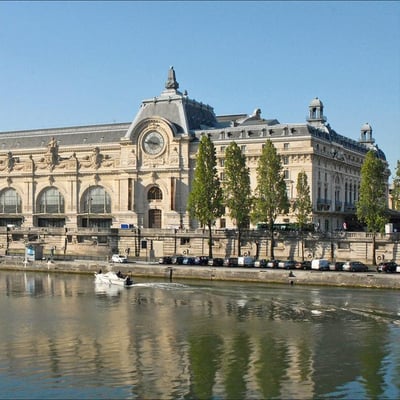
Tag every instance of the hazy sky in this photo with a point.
(82, 63)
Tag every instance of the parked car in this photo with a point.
(201, 260)
(387, 266)
(177, 260)
(272, 263)
(246, 261)
(287, 264)
(320, 264)
(118, 258)
(261, 263)
(216, 262)
(336, 266)
(188, 260)
(355, 266)
(231, 262)
(165, 260)
(303, 265)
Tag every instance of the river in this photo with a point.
(63, 337)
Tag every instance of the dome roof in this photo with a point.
(316, 103)
(366, 127)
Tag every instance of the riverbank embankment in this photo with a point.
(172, 272)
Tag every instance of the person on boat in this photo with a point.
(100, 271)
(128, 281)
(119, 274)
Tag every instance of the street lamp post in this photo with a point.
(175, 241)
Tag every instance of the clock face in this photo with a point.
(153, 142)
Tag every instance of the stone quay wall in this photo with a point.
(172, 273)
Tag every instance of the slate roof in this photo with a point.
(69, 136)
(188, 116)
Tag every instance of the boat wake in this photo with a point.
(162, 285)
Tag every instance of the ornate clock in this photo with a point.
(153, 142)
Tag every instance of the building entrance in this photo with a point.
(155, 219)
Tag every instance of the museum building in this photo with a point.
(139, 174)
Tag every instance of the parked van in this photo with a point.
(320, 264)
(119, 258)
(246, 261)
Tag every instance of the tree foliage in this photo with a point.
(270, 198)
(205, 202)
(236, 188)
(396, 189)
(302, 206)
(372, 204)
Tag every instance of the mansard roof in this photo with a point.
(189, 117)
(69, 136)
(184, 113)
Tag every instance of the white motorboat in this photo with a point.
(112, 278)
(102, 288)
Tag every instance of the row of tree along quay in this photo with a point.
(211, 198)
(396, 189)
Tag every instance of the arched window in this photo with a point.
(51, 201)
(10, 202)
(154, 193)
(97, 201)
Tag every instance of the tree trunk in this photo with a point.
(239, 242)
(210, 241)
(271, 229)
(302, 245)
(374, 249)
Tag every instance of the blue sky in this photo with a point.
(82, 63)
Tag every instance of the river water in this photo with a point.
(63, 337)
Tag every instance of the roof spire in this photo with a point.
(171, 82)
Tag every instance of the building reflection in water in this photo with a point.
(170, 340)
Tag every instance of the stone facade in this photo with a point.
(85, 179)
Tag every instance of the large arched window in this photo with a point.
(10, 202)
(154, 193)
(97, 201)
(51, 201)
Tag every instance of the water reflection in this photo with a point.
(63, 336)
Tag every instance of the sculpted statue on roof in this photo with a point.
(171, 82)
(51, 156)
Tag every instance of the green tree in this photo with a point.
(205, 202)
(302, 206)
(396, 189)
(270, 198)
(372, 204)
(236, 189)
